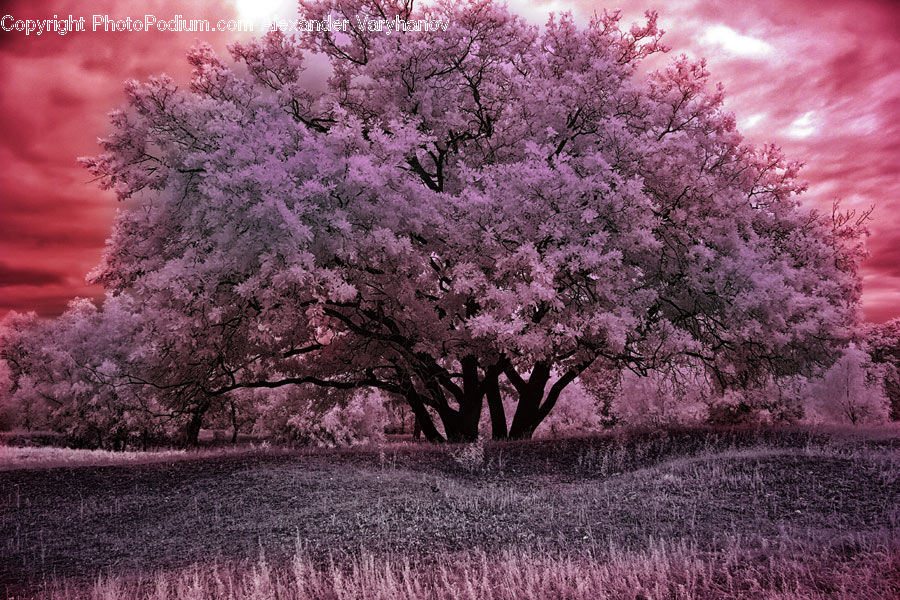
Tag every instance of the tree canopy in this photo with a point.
(457, 217)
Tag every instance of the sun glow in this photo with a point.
(803, 126)
(751, 121)
(735, 43)
(260, 11)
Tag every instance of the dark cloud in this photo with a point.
(13, 276)
(48, 303)
(55, 95)
(884, 258)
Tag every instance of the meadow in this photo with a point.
(783, 513)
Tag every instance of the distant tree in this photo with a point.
(67, 374)
(457, 216)
(661, 398)
(360, 419)
(850, 391)
(106, 375)
(776, 400)
(882, 341)
(9, 416)
(16, 352)
(579, 411)
(237, 412)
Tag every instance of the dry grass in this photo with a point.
(751, 569)
(53, 457)
(49, 457)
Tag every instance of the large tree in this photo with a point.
(455, 216)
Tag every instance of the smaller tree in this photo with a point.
(883, 345)
(18, 352)
(237, 412)
(579, 411)
(774, 400)
(8, 416)
(850, 391)
(67, 374)
(312, 415)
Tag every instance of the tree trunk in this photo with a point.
(452, 422)
(525, 421)
(450, 418)
(469, 417)
(460, 425)
(527, 416)
(892, 390)
(499, 429)
(195, 423)
(533, 407)
(234, 424)
(472, 400)
(192, 430)
(423, 419)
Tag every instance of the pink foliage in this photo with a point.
(470, 215)
(70, 374)
(882, 342)
(851, 391)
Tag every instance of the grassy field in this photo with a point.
(784, 513)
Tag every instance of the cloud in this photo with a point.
(57, 92)
(732, 42)
(803, 126)
(751, 121)
(13, 276)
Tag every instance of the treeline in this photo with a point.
(92, 409)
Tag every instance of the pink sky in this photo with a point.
(821, 79)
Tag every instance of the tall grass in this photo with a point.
(858, 569)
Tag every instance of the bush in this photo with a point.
(578, 411)
(658, 399)
(362, 420)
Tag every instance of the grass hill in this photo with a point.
(692, 513)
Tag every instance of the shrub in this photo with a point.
(361, 420)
